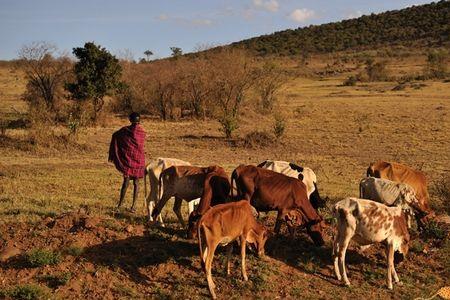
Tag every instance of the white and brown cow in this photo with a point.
(305, 174)
(392, 194)
(221, 225)
(366, 222)
(153, 171)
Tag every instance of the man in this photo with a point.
(126, 151)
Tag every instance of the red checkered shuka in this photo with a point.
(126, 150)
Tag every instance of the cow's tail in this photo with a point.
(145, 188)
(199, 235)
(370, 171)
(159, 185)
(234, 176)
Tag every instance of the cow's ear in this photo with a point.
(300, 176)
(251, 237)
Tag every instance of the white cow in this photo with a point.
(305, 174)
(153, 170)
(368, 222)
(390, 193)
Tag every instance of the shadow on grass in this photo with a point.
(130, 254)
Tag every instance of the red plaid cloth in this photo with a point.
(126, 150)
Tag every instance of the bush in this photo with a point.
(432, 230)
(27, 292)
(229, 124)
(350, 81)
(441, 189)
(376, 71)
(257, 139)
(42, 257)
(54, 281)
(74, 250)
(437, 64)
(279, 126)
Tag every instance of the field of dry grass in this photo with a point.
(336, 130)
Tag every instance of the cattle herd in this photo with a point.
(224, 209)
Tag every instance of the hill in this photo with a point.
(424, 25)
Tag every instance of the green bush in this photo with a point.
(350, 81)
(42, 257)
(74, 250)
(27, 292)
(54, 281)
(432, 230)
(279, 126)
(229, 124)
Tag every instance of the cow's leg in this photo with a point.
(278, 222)
(177, 210)
(390, 263)
(208, 263)
(336, 255)
(243, 246)
(229, 251)
(192, 205)
(160, 205)
(348, 234)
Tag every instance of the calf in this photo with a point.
(223, 224)
(392, 194)
(268, 190)
(368, 222)
(152, 172)
(187, 182)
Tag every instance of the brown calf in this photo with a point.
(221, 225)
(268, 190)
(187, 182)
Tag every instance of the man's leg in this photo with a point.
(135, 193)
(123, 190)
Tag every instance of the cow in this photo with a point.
(152, 171)
(221, 225)
(391, 193)
(271, 191)
(187, 182)
(367, 222)
(304, 174)
(404, 174)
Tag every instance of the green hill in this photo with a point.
(424, 25)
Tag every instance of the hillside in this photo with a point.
(424, 25)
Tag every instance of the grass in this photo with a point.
(25, 292)
(42, 257)
(56, 280)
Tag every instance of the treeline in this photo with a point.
(426, 25)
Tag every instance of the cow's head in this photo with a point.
(314, 230)
(258, 236)
(193, 225)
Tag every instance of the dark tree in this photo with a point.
(148, 53)
(97, 74)
(176, 51)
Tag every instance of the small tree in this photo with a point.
(176, 52)
(270, 80)
(97, 74)
(148, 53)
(437, 64)
(376, 71)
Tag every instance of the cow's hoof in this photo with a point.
(245, 278)
(400, 283)
(390, 287)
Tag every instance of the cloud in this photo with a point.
(201, 22)
(301, 15)
(163, 17)
(269, 5)
(354, 14)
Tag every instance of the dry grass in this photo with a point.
(335, 130)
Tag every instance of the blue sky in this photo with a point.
(134, 26)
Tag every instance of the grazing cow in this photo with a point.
(221, 225)
(305, 174)
(152, 171)
(268, 190)
(401, 173)
(368, 222)
(187, 182)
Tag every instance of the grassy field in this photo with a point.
(336, 130)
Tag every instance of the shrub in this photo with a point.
(42, 257)
(441, 189)
(74, 250)
(376, 71)
(229, 124)
(257, 139)
(432, 230)
(437, 64)
(54, 281)
(279, 126)
(350, 81)
(27, 292)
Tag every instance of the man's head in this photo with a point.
(134, 117)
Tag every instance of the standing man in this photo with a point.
(126, 151)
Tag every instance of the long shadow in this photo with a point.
(132, 253)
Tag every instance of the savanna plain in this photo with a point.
(63, 201)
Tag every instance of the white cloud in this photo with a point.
(354, 14)
(269, 5)
(301, 15)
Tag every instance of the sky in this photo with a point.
(128, 28)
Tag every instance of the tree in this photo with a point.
(97, 74)
(148, 53)
(437, 63)
(176, 52)
(270, 80)
(45, 74)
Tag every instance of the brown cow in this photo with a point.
(187, 182)
(268, 190)
(404, 174)
(221, 225)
